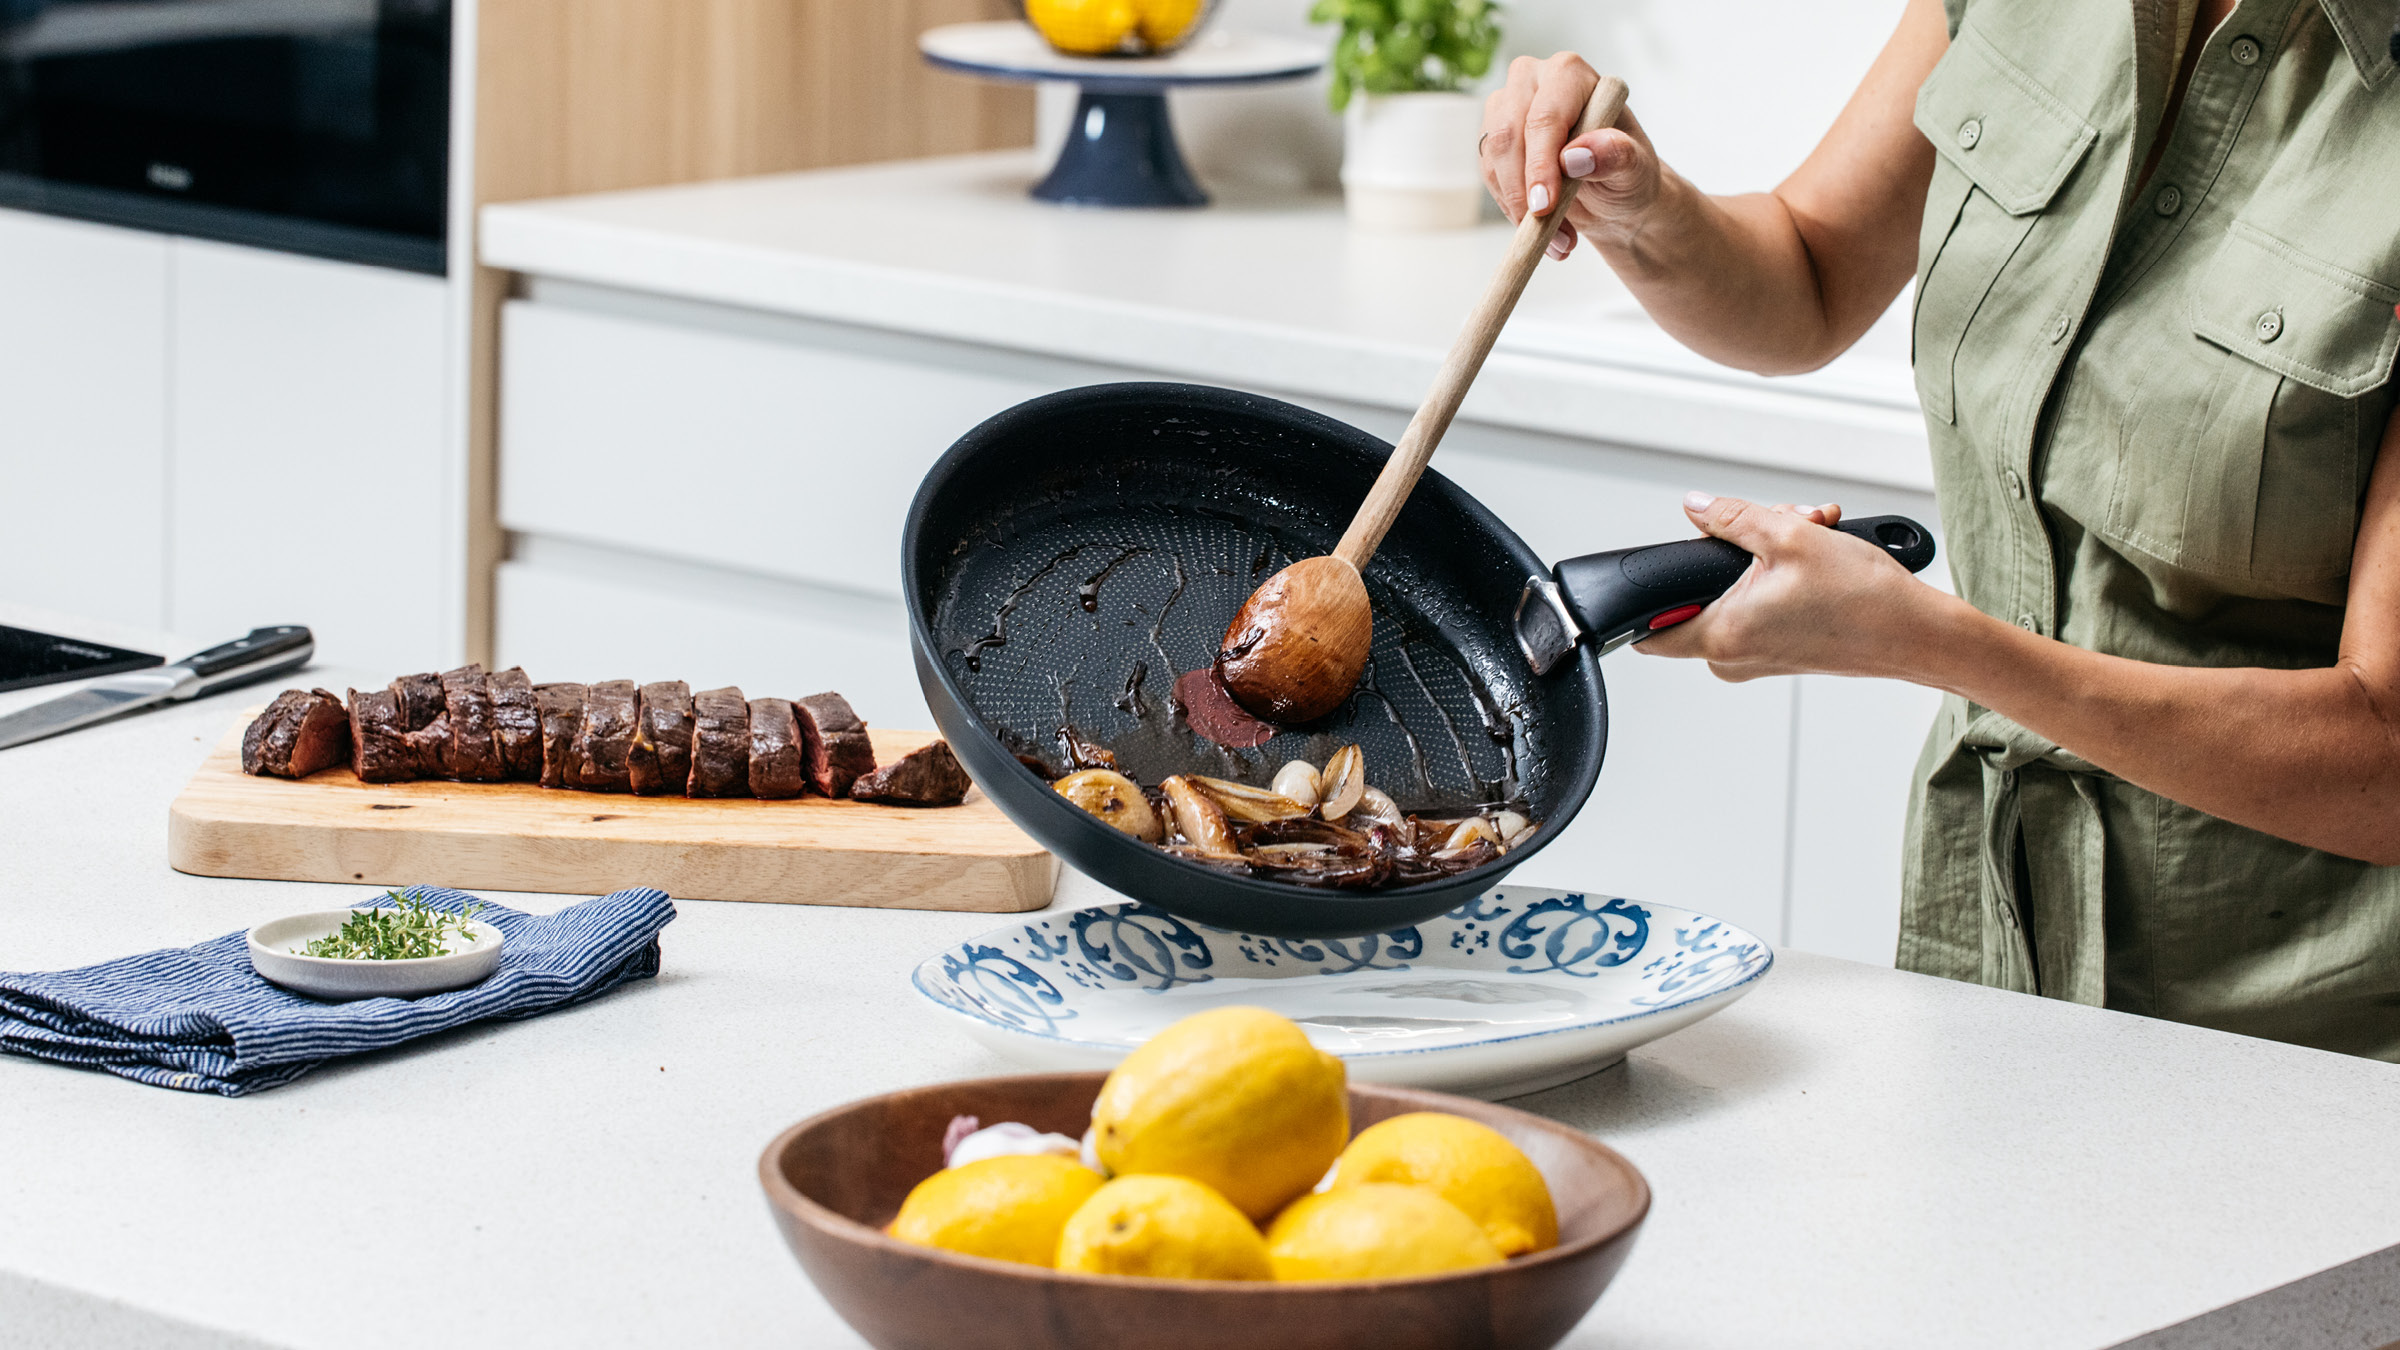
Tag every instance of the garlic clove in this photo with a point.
(1298, 781)
(1199, 819)
(1115, 799)
(1254, 806)
(1345, 782)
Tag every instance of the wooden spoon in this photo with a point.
(1299, 644)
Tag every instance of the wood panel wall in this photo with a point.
(593, 95)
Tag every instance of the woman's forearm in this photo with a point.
(1729, 277)
(2312, 756)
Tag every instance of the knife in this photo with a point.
(265, 652)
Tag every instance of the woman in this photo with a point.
(2157, 256)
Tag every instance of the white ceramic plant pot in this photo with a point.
(1408, 161)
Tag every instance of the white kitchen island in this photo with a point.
(1849, 1158)
(717, 401)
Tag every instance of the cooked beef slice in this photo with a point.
(421, 706)
(720, 743)
(605, 743)
(561, 707)
(517, 725)
(474, 754)
(431, 745)
(379, 751)
(301, 732)
(662, 740)
(420, 700)
(834, 744)
(775, 749)
(931, 776)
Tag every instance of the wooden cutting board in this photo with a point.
(519, 837)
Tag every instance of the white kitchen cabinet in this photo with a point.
(311, 481)
(572, 612)
(787, 458)
(83, 419)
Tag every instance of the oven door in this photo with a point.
(317, 126)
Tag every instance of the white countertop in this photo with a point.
(1276, 294)
(1850, 1157)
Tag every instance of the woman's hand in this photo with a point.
(1817, 601)
(1529, 160)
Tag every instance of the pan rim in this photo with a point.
(1069, 818)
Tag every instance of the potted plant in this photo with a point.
(1401, 72)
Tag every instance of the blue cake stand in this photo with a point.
(1120, 148)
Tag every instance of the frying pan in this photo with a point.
(1066, 560)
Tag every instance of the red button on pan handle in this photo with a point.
(1670, 618)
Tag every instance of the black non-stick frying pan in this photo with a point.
(1069, 558)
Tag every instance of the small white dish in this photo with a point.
(1513, 992)
(274, 956)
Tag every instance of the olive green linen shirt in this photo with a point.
(2153, 410)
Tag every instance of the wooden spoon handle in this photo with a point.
(1474, 343)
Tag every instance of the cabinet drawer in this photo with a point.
(788, 459)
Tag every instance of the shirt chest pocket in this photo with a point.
(2003, 146)
(2255, 439)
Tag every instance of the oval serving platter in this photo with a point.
(1513, 992)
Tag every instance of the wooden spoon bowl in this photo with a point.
(834, 1180)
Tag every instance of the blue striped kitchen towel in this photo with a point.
(200, 1019)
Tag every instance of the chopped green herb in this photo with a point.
(404, 930)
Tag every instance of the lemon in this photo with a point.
(1234, 1098)
(1088, 27)
(1471, 1165)
(1164, 22)
(1170, 1228)
(1375, 1231)
(1009, 1209)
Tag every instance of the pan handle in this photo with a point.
(1613, 598)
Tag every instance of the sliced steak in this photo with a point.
(517, 725)
(420, 700)
(301, 732)
(834, 744)
(431, 746)
(421, 706)
(561, 708)
(931, 776)
(474, 755)
(662, 741)
(720, 744)
(379, 750)
(775, 769)
(604, 745)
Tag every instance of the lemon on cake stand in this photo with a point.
(1123, 55)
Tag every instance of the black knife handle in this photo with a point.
(1624, 593)
(261, 644)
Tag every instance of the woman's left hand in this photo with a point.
(1816, 601)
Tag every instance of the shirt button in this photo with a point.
(2059, 328)
(1969, 133)
(2029, 623)
(2246, 51)
(2016, 485)
(2270, 326)
(2169, 200)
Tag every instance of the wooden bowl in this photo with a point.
(834, 1180)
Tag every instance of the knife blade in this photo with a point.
(260, 654)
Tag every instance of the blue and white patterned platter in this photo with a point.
(1516, 991)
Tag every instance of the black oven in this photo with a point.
(317, 126)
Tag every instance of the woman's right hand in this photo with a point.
(1528, 156)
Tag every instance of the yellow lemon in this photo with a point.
(1009, 1209)
(1088, 27)
(1234, 1098)
(1170, 1228)
(1375, 1232)
(1165, 22)
(1472, 1166)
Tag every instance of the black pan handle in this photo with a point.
(1628, 593)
